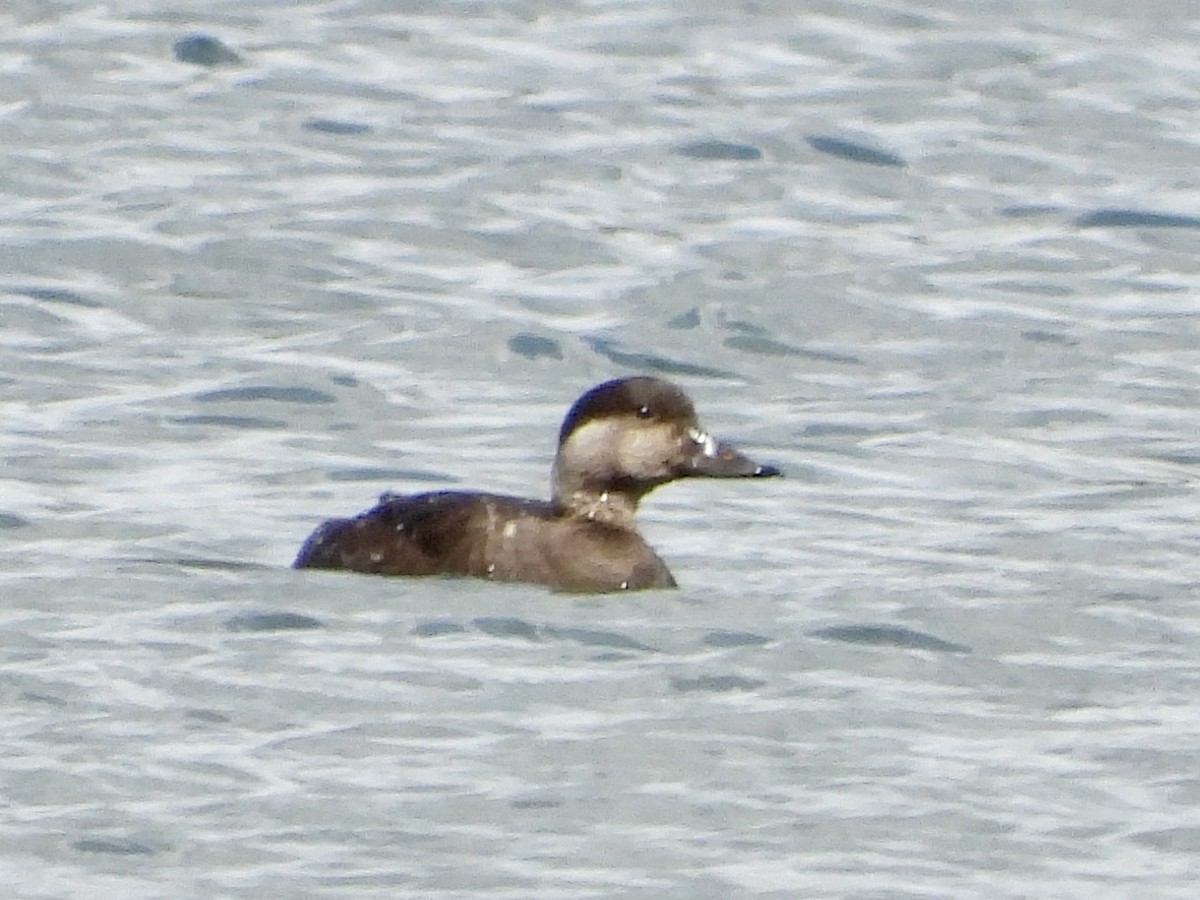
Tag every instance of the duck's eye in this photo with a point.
(643, 412)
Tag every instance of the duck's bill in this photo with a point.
(716, 459)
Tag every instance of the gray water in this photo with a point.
(938, 261)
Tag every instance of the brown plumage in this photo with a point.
(619, 441)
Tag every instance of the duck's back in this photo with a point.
(486, 536)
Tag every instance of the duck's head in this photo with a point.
(625, 437)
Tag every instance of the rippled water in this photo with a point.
(938, 261)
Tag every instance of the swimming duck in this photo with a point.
(618, 442)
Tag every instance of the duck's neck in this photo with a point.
(615, 508)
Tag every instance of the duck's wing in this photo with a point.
(446, 532)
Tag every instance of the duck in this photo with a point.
(619, 441)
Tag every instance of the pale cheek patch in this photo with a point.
(589, 446)
(649, 452)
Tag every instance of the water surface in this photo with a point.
(937, 261)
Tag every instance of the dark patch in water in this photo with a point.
(1126, 597)
(1183, 840)
(716, 150)
(275, 393)
(1132, 218)
(11, 520)
(116, 846)
(1182, 458)
(854, 152)
(334, 126)
(272, 621)
(436, 629)
(373, 474)
(589, 638)
(834, 429)
(207, 565)
(1039, 418)
(204, 50)
(242, 423)
(685, 321)
(1029, 212)
(612, 656)
(38, 696)
(735, 639)
(744, 327)
(888, 636)
(534, 803)
(58, 295)
(652, 362)
(506, 627)
(207, 716)
(765, 346)
(532, 346)
(1039, 288)
(1048, 337)
(715, 684)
